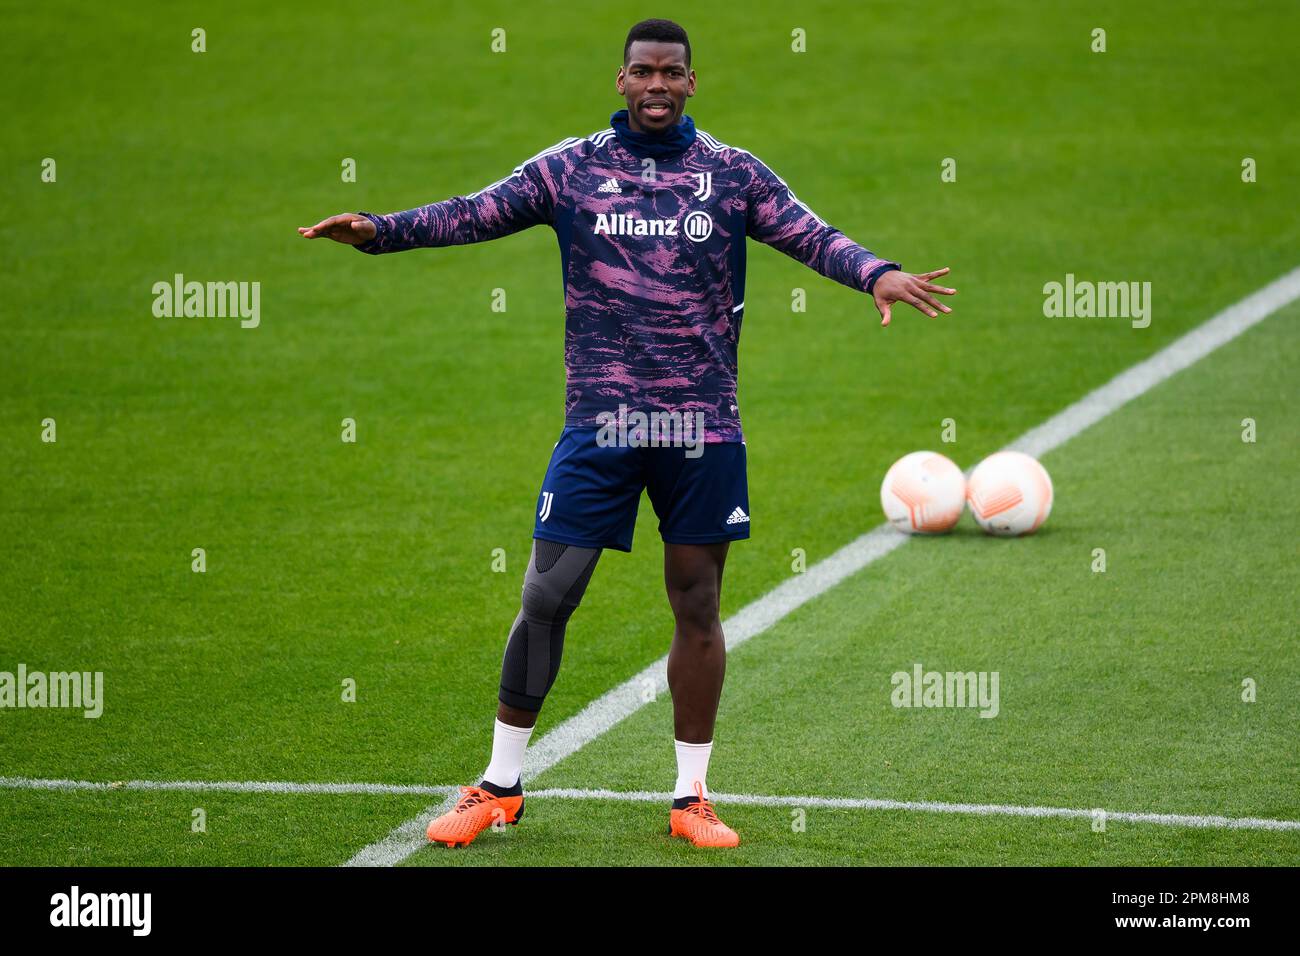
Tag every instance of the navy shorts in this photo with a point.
(590, 494)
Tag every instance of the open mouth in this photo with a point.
(657, 109)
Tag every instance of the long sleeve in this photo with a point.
(779, 219)
(524, 198)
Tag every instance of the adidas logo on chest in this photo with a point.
(696, 224)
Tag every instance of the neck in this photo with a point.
(659, 144)
(636, 127)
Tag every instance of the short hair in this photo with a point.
(662, 31)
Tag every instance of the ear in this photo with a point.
(619, 80)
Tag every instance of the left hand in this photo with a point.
(347, 228)
(915, 290)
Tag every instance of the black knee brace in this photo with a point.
(553, 585)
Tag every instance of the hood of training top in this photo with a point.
(653, 267)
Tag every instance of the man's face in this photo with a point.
(655, 82)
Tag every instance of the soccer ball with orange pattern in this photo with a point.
(923, 493)
(1009, 494)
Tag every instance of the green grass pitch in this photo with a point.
(373, 561)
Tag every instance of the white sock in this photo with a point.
(508, 746)
(692, 765)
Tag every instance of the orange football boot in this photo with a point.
(477, 809)
(699, 823)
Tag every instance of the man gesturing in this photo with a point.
(651, 216)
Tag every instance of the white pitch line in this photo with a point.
(932, 806)
(616, 705)
(647, 796)
(1170, 360)
(226, 786)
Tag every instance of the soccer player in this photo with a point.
(651, 215)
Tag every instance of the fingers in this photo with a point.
(927, 276)
(323, 227)
(920, 306)
(938, 289)
(884, 312)
(926, 297)
(316, 231)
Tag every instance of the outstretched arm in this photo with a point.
(779, 219)
(524, 198)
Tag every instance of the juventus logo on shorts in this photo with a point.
(705, 188)
(547, 498)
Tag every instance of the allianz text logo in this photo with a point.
(695, 226)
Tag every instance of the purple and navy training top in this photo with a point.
(653, 260)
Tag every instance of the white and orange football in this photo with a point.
(1010, 494)
(923, 493)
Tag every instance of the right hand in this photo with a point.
(348, 228)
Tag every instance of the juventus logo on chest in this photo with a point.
(705, 188)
